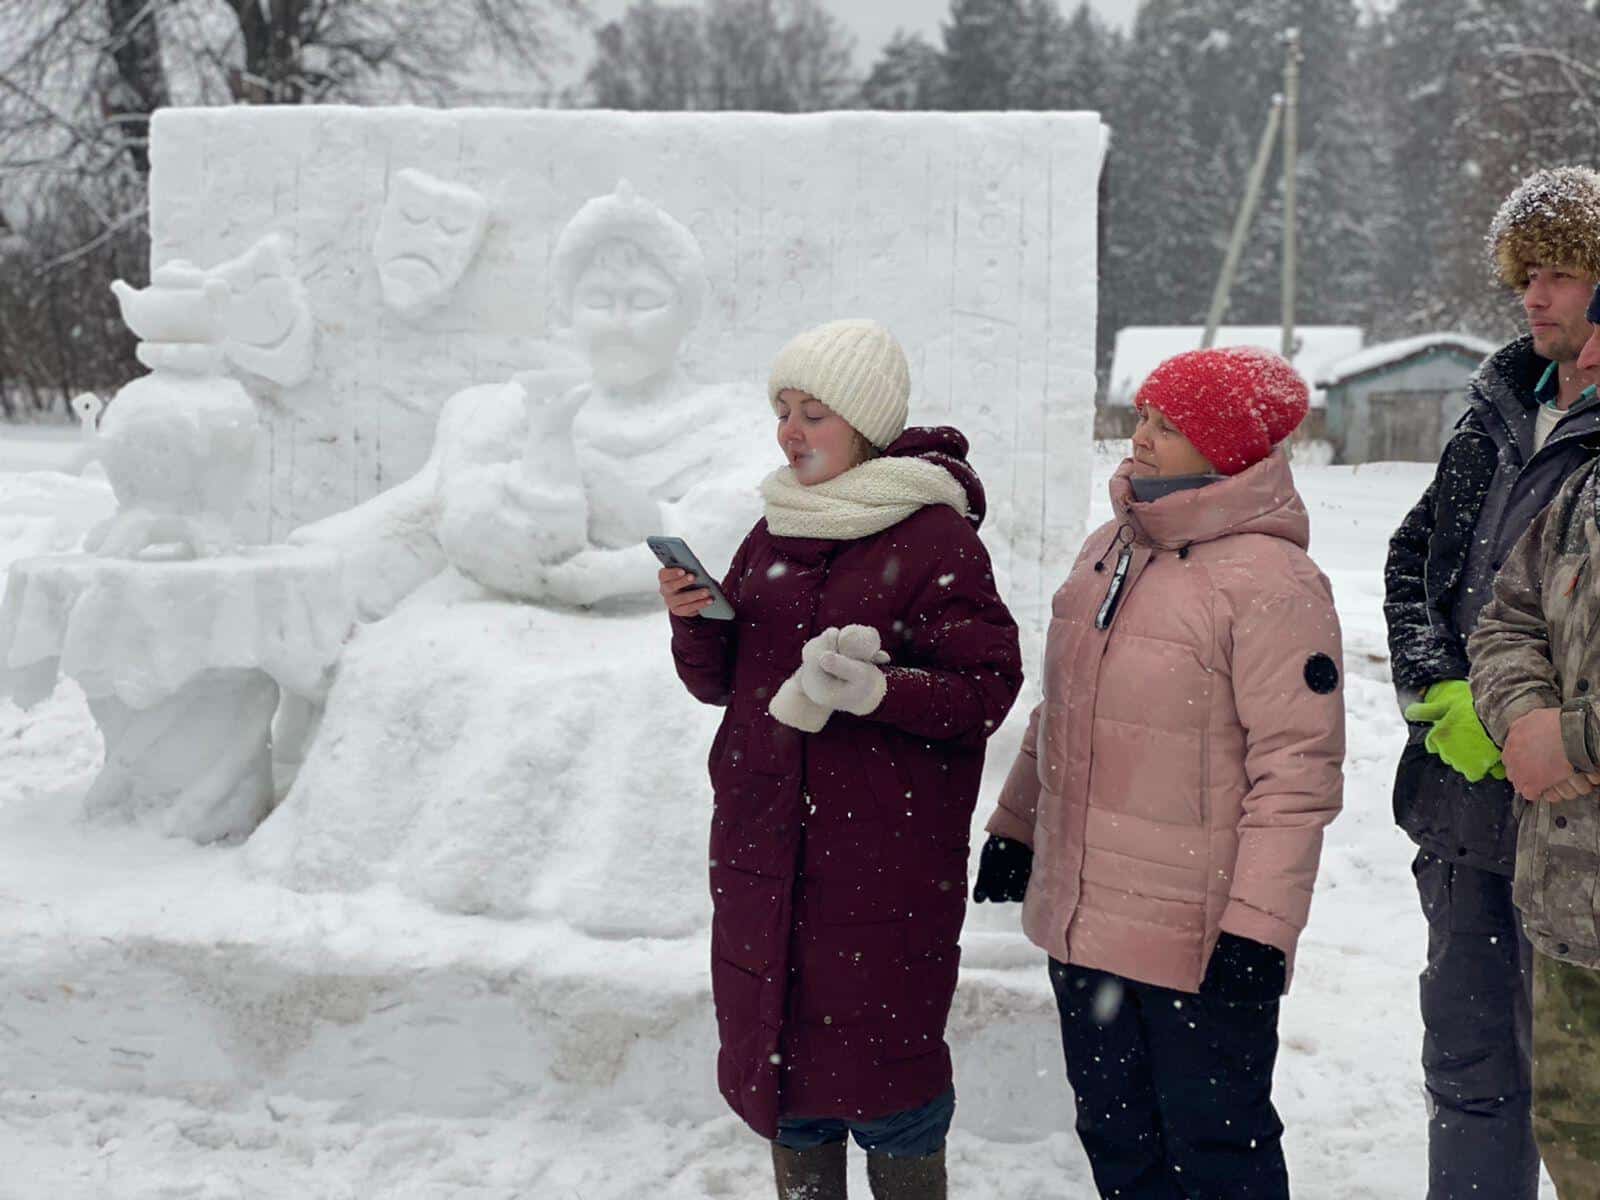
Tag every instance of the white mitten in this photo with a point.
(792, 707)
(840, 669)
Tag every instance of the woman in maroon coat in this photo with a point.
(869, 660)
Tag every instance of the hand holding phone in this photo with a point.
(674, 553)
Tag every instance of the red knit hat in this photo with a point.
(1234, 403)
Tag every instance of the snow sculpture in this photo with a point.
(269, 327)
(541, 489)
(429, 233)
(179, 444)
(181, 640)
(182, 663)
(544, 487)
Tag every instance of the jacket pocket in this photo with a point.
(1566, 874)
(750, 922)
(1462, 899)
(916, 1027)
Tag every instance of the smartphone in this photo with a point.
(675, 552)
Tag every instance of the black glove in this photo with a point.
(1242, 971)
(1003, 870)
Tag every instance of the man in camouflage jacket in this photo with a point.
(1535, 663)
(1529, 425)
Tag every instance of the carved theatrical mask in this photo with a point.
(268, 327)
(627, 316)
(428, 234)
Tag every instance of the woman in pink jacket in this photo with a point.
(1164, 819)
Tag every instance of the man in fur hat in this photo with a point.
(1532, 420)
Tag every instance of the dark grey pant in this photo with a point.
(1477, 1046)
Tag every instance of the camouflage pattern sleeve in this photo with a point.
(1512, 673)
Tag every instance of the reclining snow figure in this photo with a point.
(544, 487)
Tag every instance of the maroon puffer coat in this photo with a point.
(839, 859)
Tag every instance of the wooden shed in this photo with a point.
(1397, 401)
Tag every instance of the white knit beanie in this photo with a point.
(856, 368)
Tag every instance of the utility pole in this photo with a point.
(1241, 223)
(1291, 148)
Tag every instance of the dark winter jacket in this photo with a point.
(838, 859)
(1440, 573)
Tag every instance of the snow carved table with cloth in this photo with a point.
(182, 663)
(491, 351)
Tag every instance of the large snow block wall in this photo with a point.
(413, 247)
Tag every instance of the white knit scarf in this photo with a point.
(864, 500)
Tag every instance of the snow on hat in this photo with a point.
(1553, 218)
(1234, 403)
(856, 368)
(626, 216)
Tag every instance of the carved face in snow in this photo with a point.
(429, 233)
(627, 316)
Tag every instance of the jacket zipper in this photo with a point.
(1119, 577)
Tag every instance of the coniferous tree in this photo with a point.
(764, 55)
(908, 75)
(1091, 52)
(1505, 93)
(1159, 227)
(1200, 80)
(654, 58)
(1040, 78)
(982, 42)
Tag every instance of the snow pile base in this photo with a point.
(500, 759)
(152, 967)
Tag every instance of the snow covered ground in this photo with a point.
(101, 901)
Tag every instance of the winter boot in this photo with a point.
(816, 1174)
(907, 1178)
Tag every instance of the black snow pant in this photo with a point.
(1477, 1045)
(1174, 1091)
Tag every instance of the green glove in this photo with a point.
(1457, 736)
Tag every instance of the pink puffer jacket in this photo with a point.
(1176, 779)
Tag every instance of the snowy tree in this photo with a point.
(1039, 79)
(1092, 52)
(775, 56)
(653, 58)
(79, 79)
(769, 55)
(1495, 90)
(1164, 222)
(1196, 88)
(909, 74)
(982, 46)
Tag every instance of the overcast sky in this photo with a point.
(873, 21)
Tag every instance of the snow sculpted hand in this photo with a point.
(806, 703)
(1457, 736)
